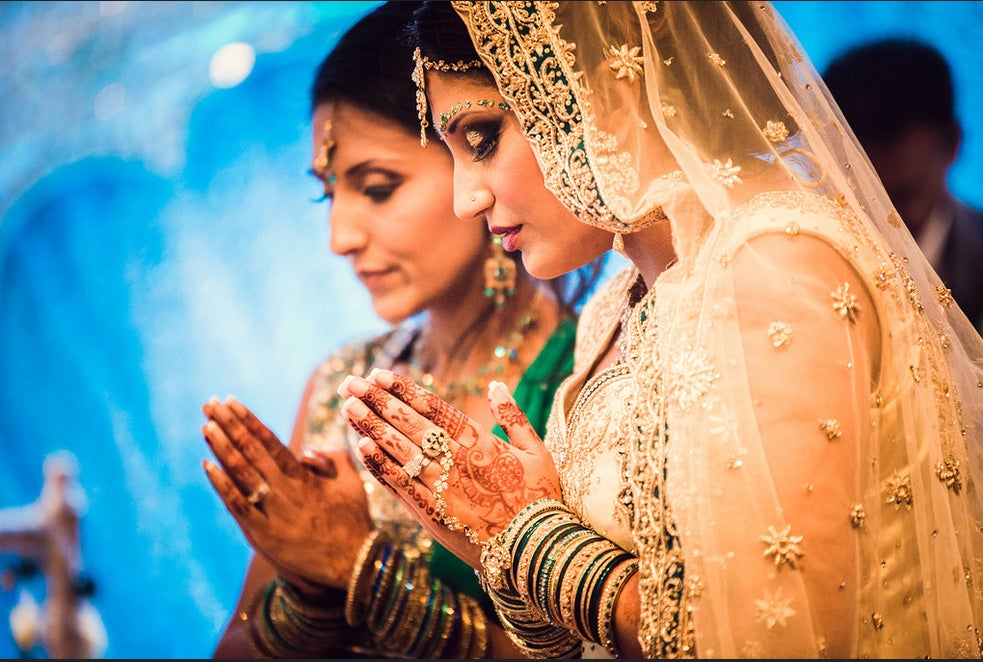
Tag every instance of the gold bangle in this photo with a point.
(480, 634)
(353, 615)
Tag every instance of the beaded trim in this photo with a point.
(421, 64)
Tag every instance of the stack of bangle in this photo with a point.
(411, 613)
(283, 623)
(547, 563)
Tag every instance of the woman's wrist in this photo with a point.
(546, 563)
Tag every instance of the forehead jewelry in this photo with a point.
(322, 162)
(422, 64)
(485, 103)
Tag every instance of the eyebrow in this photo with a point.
(452, 124)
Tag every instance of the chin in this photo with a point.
(547, 264)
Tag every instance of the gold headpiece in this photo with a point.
(322, 162)
(422, 63)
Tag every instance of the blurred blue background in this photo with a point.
(160, 244)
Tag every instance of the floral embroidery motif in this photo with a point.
(668, 60)
(714, 58)
(728, 113)
(782, 547)
(668, 110)
(726, 173)
(831, 428)
(694, 586)
(899, 490)
(780, 334)
(945, 295)
(774, 609)
(689, 375)
(776, 132)
(626, 61)
(649, 7)
(949, 474)
(845, 303)
(792, 228)
(894, 219)
(858, 516)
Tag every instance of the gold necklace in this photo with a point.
(504, 355)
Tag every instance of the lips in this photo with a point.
(373, 278)
(509, 235)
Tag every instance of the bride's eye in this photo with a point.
(482, 138)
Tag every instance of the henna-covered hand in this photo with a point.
(489, 480)
(307, 516)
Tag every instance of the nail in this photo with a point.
(356, 385)
(381, 377)
(498, 393)
(355, 408)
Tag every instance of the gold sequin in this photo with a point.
(945, 295)
(949, 474)
(736, 461)
(782, 547)
(792, 228)
(845, 303)
(776, 132)
(780, 334)
(894, 219)
(627, 62)
(715, 58)
(858, 516)
(877, 621)
(831, 428)
(899, 490)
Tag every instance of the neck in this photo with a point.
(651, 251)
(461, 338)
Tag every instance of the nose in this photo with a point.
(471, 200)
(348, 232)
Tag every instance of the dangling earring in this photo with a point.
(499, 274)
(618, 245)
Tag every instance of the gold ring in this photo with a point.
(416, 464)
(257, 495)
(435, 443)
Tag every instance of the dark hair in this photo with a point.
(370, 67)
(887, 86)
(440, 34)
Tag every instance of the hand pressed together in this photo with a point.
(471, 483)
(306, 516)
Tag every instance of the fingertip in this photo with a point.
(343, 387)
(213, 401)
(498, 392)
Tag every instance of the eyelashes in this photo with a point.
(482, 138)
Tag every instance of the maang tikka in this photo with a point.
(499, 274)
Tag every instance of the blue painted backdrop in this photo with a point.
(159, 244)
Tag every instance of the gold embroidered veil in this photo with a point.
(608, 94)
